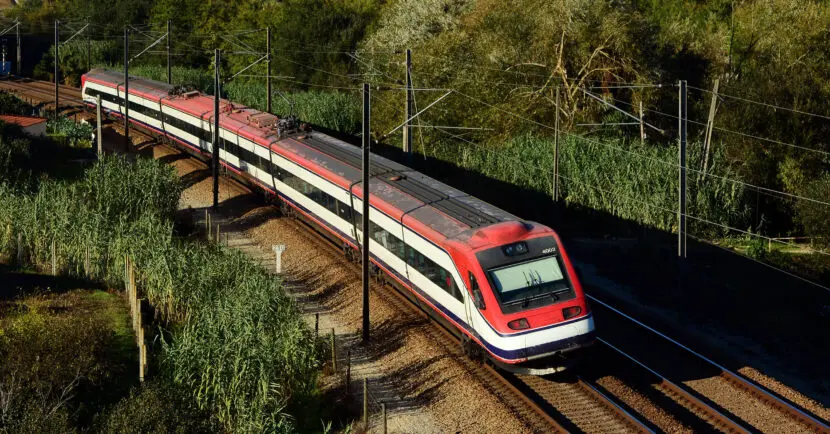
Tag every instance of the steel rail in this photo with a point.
(712, 415)
(743, 383)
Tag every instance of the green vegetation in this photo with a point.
(64, 358)
(335, 110)
(69, 132)
(232, 344)
(12, 105)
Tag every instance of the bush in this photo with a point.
(76, 134)
(148, 409)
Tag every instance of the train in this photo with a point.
(505, 286)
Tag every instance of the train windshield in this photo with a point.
(529, 280)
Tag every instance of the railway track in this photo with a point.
(579, 403)
(723, 398)
(43, 93)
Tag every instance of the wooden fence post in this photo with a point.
(383, 416)
(19, 249)
(365, 403)
(140, 363)
(316, 325)
(218, 238)
(348, 371)
(54, 259)
(87, 265)
(333, 354)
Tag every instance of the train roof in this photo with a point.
(406, 193)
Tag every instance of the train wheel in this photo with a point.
(471, 348)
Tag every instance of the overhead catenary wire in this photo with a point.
(770, 239)
(666, 163)
(772, 106)
(671, 211)
(289, 80)
(805, 280)
(526, 164)
(757, 187)
(728, 131)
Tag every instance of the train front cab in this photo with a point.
(528, 309)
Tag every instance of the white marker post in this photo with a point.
(278, 249)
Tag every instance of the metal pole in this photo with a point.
(98, 118)
(215, 162)
(57, 65)
(681, 212)
(126, 106)
(365, 185)
(268, 74)
(556, 151)
(169, 71)
(407, 130)
(19, 53)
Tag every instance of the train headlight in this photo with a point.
(515, 249)
(519, 324)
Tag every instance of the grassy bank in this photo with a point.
(232, 344)
(64, 356)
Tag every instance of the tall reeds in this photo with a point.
(232, 339)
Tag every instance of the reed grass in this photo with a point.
(233, 340)
(639, 185)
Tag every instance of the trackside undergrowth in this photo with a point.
(231, 345)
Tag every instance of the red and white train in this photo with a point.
(504, 285)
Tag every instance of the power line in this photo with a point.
(566, 133)
(527, 164)
(768, 190)
(763, 263)
(276, 77)
(702, 220)
(728, 131)
(772, 106)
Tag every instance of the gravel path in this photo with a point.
(431, 389)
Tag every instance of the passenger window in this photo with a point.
(344, 211)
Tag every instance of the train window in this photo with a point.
(432, 271)
(331, 203)
(344, 211)
(389, 242)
